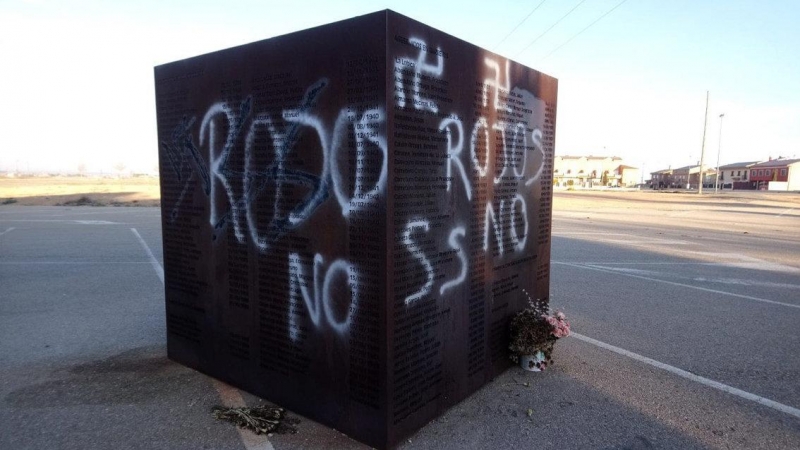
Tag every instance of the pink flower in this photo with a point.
(560, 327)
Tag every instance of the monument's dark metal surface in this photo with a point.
(351, 214)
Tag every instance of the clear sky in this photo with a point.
(76, 77)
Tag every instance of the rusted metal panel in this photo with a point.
(350, 215)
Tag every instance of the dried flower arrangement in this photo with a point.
(534, 331)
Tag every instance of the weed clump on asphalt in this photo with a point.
(259, 420)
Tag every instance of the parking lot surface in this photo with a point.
(686, 316)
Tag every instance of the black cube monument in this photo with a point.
(350, 216)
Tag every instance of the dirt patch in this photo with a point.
(80, 191)
(137, 376)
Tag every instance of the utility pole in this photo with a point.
(719, 149)
(641, 183)
(703, 150)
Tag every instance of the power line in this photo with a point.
(551, 27)
(587, 27)
(518, 25)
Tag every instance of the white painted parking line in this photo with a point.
(153, 210)
(673, 283)
(229, 396)
(633, 239)
(747, 282)
(138, 211)
(153, 261)
(25, 210)
(69, 263)
(744, 262)
(589, 233)
(690, 376)
(131, 210)
(80, 222)
(4, 232)
(737, 260)
(640, 263)
(731, 281)
(787, 211)
(641, 242)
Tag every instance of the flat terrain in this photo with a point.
(686, 311)
(80, 191)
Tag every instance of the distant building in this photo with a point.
(629, 175)
(736, 175)
(686, 177)
(661, 179)
(593, 171)
(776, 174)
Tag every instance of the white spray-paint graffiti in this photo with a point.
(216, 177)
(311, 284)
(366, 136)
(418, 226)
(454, 153)
(462, 256)
(499, 86)
(508, 228)
(316, 292)
(420, 69)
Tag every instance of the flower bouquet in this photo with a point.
(534, 330)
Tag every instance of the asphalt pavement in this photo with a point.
(687, 322)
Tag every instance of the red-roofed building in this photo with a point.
(776, 174)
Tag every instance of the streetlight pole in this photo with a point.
(719, 149)
(641, 183)
(702, 152)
